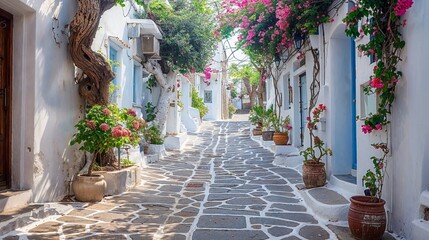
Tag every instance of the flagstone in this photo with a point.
(46, 227)
(313, 232)
(221, 186)
(215, 221)
(73, 228)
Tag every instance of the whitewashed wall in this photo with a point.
(113, 32)
(215, 107)
(409, 128)
(46, 104)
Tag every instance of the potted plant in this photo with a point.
(231, 110)
(313, 170)
(267, 120)
(102, 129)
(281, 130)
(367, 216)
(255, 117)
(154, 140)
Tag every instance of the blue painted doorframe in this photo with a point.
(353, 117)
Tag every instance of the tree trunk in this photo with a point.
(260, 92)
(94, 88)
(167, 83)
(252, 96)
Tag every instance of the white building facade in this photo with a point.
(344, 74)
(43, 104)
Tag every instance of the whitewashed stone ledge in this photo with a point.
(156, 149)
(121, 180)
(176, 142)
(283, 149)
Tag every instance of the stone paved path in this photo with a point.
(222, 186)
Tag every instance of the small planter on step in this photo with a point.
(313, 174)
(281, 138)
(257, 131)
(267, 135)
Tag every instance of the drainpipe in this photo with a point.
(353, 99)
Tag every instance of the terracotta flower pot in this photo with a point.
(267, 135)
(280, 138)
(313, 174)
(257, 131)
(367, 219)
(89, 188)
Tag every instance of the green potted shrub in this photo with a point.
(102, 129)
(154, 140)
(255, 117)
(281, 130)
(313, 169)
(267, 121)
(231, 110)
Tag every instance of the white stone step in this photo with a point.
(326, 203)
(14, 199)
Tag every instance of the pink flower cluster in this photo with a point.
(368, 129)
(119, 131)
(138, 124)
(131, 112)
(316, 116)
(90, 124)
(402, 6)
(376, 83)
(106, 112)
(282, 13)
(104, 126)
(207, 73)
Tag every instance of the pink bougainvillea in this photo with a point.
(402, 6)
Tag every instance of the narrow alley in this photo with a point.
(222, 186)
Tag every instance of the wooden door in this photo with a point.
(5, 97)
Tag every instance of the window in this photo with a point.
(114, 61)
(137, 84)
(373, 57)
(207, 96)
(368, 102)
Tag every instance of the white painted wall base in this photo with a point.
(294, 162)
(121, 180)
(420, 230)
(267, 144)
(284, 149)
(176, 142)
(157, 149)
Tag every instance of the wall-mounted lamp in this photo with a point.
(298, 40)
(281, 58)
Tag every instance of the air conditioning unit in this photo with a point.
(150, 46)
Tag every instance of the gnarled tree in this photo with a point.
(94, 86)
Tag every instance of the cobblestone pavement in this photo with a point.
(222, 186)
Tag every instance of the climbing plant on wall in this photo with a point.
(381, 22)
